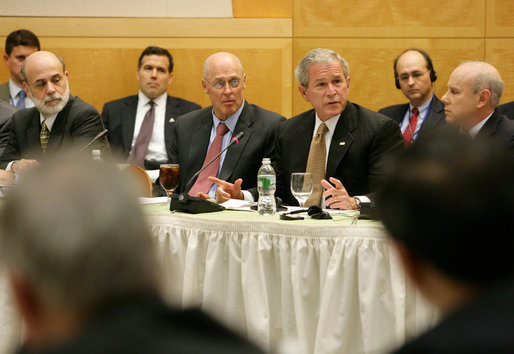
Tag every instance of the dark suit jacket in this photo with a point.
(361, 141)
(145, 325)
(5, 95)
(500, 129)
(435, 116)
(120, 116)
(507, 109)
(191, 141)
(75, 126)
(484, 326)
(6, 112)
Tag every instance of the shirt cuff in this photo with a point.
(248, 196)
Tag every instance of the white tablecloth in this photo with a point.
(335, 287)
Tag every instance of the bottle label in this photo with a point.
(266, 182)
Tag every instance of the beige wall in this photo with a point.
(101, 53)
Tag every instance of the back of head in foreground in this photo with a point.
(450, 202)
(73, 238)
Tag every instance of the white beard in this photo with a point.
(48, 111)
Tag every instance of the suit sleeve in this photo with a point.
(387, 143)
(9, 150)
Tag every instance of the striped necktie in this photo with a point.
(44, 135)
(316, 164)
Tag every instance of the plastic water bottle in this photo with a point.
(266, 185)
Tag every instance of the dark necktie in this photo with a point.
(316, 165)
(138, 152)
(21, 99)
(44, 135)
(202, 184)
(411, 128)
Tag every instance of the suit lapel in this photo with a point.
(434, 116)
(199, 142)
(342, 138)
(59, 127)
(169, 120)
(490, 127)
(244, 124)
(33, 131)
(128, 119)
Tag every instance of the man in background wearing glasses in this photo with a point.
(194, 134)
(414, 74)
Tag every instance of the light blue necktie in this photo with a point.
(21, 99)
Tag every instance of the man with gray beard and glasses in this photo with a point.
(58, 118)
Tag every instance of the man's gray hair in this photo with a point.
(487, 78)
(24, 75)
(318, 56)
(74, 230)
(206, 64)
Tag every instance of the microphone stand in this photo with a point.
(194, 205)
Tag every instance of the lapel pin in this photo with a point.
(342, 143)
(172, 120)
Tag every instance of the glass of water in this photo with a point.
(301, 186)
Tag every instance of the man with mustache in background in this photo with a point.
(58, 118)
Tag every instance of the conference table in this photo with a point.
(303, 286)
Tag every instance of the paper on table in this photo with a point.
(157, 200)
(238, 204)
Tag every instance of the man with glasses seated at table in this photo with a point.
(201, 134)
(414, 74)
(342, 144)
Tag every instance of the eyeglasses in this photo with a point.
(219, 84)
(416, 75)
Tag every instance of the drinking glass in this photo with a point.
(169, 177)
(301, 186)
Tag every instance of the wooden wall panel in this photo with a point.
(262, 8)
(104, 69)
(500, 18)
(101, 27)
(371, 65)
(500, 53)
(393, 18)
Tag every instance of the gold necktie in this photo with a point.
(316, 164)
(43, 136)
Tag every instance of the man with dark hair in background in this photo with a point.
(140, 126)
(449, 208)
(18, 46)
(80, 259)
(414, 74)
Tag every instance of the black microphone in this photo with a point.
(194, 205)
(97, 136)
(235, 140)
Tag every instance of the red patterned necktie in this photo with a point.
(138, 152)
(409, 132)
(202, 184)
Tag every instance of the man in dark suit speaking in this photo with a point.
(136, 136)
(59, 119)
(198, 133)
(341, 143)
(414, 74)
